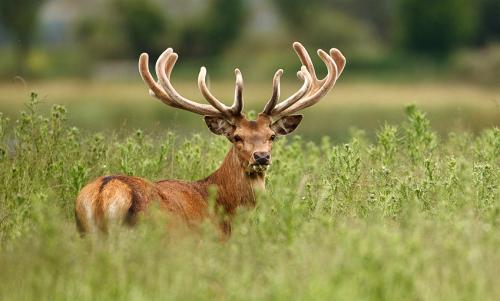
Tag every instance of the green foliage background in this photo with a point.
(376, 35)
(411, 216)
(21, 24)
(436, 27)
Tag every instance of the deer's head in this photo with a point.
(252, 139)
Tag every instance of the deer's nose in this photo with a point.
(262, 157)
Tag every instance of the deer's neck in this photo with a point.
(235, 187)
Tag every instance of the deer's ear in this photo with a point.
(219, 126)
(286, 125)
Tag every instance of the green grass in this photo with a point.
(409, 216)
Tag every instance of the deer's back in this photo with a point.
(184, 198)
(120, 199)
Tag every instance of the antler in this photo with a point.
(313, 89)
(164, 91)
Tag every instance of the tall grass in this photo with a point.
(409, 217)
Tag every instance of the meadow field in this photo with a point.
(396, 212)
(387, 190)
(122, 106)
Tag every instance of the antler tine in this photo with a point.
(304, 75)
(339, 59)
(202, 85)
(161, 59)
(276, 93)
(237, 106)
(305, 59)
(317, 93)
(166, 65)
(154, 88)
(160, 67)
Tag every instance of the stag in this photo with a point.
(120, 199)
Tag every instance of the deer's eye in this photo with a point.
(237, 138)
(273, 137)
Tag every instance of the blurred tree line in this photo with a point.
(429, 27)
(129, 27)
(124, 28)
(20, 18)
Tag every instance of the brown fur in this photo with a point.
(113, 198)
